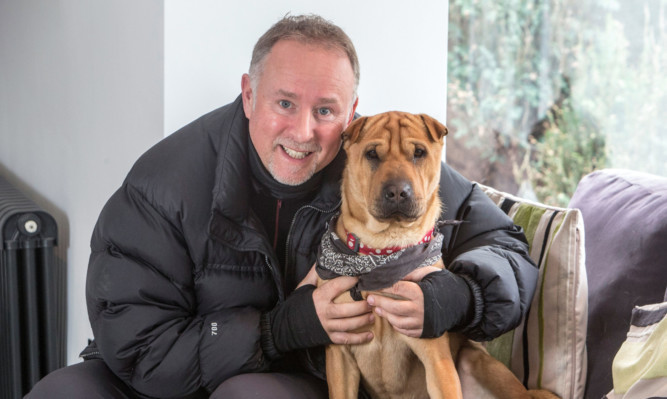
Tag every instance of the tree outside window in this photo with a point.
(542, 92)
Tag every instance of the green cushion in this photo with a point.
(548, 349)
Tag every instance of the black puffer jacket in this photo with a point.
(181, 271)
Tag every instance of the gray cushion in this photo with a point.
(625, 219)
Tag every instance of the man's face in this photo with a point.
(302, 102)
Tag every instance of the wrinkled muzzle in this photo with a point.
(396, 200)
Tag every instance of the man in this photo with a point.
(200, 280)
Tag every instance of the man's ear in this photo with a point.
(435, 129)
(247, 95)
(354, 131)
(354, 109)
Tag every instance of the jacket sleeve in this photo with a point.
(140, 293)
(491, 253)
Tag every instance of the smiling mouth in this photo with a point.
(295, 154)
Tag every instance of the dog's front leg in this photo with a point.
(442, 380)
(343, 374)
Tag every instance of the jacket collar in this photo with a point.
(231, 192)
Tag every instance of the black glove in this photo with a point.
(449, 303)
(293, 324)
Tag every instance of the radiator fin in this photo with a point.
(32, 298)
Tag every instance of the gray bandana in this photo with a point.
(375, 272)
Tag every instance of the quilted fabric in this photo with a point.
(548, 350)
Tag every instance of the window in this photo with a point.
(542, 92)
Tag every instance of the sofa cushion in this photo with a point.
(548, 349)
(639, 368)
(625, 214)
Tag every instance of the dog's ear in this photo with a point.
(353, 132)
(435, 129)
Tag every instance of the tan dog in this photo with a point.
(390, 200)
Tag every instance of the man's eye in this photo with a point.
(285, 103)
(324, 111)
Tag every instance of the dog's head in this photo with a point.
(393, 167)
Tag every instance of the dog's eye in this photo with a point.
(371, 155)
(419, 153)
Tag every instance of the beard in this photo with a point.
(292, 176)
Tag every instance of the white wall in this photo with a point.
(81, 90)
(402, 48)
(87, 86)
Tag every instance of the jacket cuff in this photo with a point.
(294, 324)
(266, 337)
(477, 308)
(448, 303)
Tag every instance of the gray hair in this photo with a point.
(309, 29)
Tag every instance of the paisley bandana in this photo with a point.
(375, 272)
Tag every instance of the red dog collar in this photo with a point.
(356, 245)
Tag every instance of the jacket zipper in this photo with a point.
(267, 260)
(276, 278)
(310, 363)
(279, 205)
(289, 232)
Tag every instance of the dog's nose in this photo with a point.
(397, 191)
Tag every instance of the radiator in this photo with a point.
(32, 302)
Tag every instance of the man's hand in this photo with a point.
(340, 320)
(405, 315)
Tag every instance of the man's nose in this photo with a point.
(304, 126)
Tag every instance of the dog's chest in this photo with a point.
(388, 366)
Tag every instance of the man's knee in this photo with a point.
(272, 385)
(90, 379)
